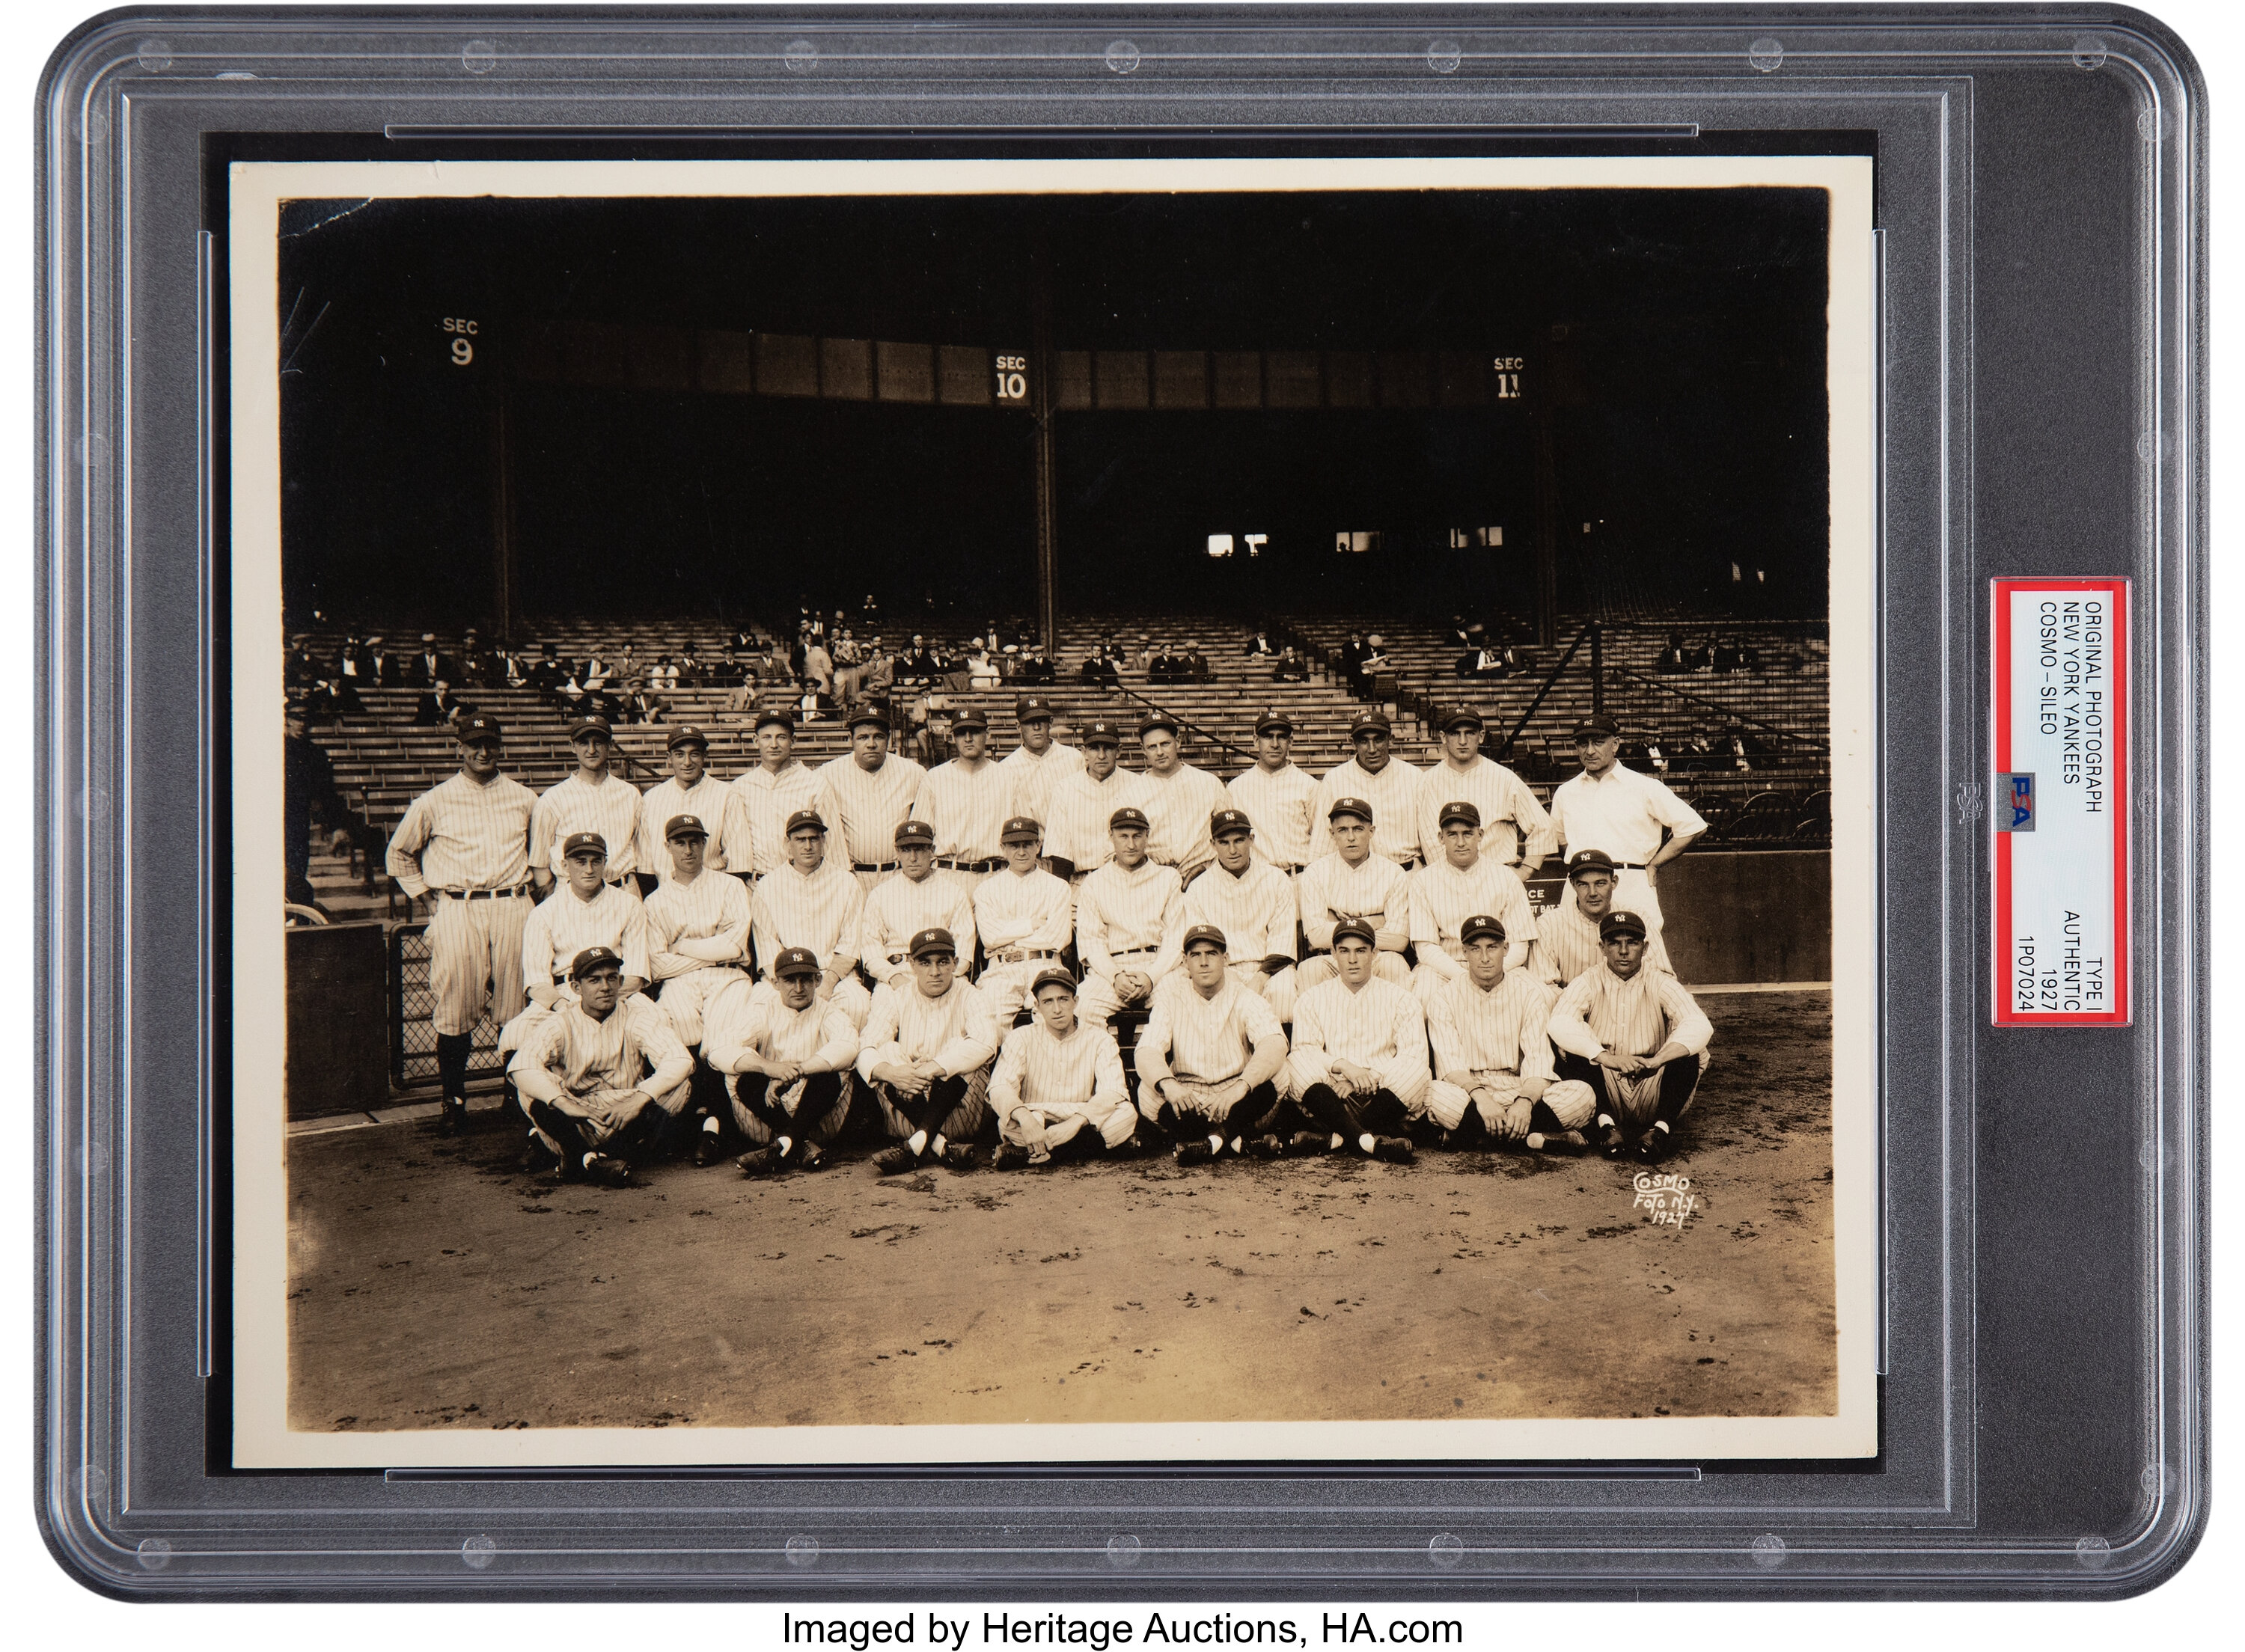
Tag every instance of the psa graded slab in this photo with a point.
(1225, 785)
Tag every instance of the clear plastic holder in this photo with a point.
(2040, 205)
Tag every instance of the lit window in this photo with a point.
(1255, 542)
(1219, 545)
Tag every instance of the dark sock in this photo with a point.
(452, 1052)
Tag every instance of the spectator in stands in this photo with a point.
(477, 664)
(818, 666)
(1353, 654)
(352, 665)
(1375, 658)
(981, 669)
(1195, 667)
(1260, 649)
(1291, 668)
(594, 673)
(1701, 658)
(382, 666)
(428, 664)
(1673, 660)
(687, 673)
(1099, 667)
(440, 708)
(1037, 667)
(1726, 658)
(549, 674)
(1733, 744)
(334, 698)
(303, 667)
(1462, 633)
(814, 704)
(1748, 659)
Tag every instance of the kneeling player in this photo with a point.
(1636, 1038)
(786, 1054)
(1057, 1081)
(1211, 1057)
(927, 1053)
(1360, 1059)
(602, 1079)
(1493, 1079)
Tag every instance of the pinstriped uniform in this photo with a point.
(750, 1020)
(585, 1067)
(1505, 803)
(1282, 806)
(1599, 1011)
(1033, 913)
(863, 810)
(698, 942)
(716, 805)
(769, 799)
(1622, 813)
(1492, 1041)
(822, 913)
(955, 1031)
(562, 927)
(1379, 1025)
(1205, 1042)
(1256, 912)
(461, 834)
(900, 909)
(1178, 809)
(574, 805)
(1393, 795)
(1040, 1080)
(1442, 898)
(1035, 777)
(1129, 920)
(1077, 832)
(1330, 890)
(968, 807)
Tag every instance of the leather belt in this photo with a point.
(617, 883)
(1022, 955)
(869, 866)
(1125, 951)
(972, 866)
(483, 894)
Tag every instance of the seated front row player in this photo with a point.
(1636, 1038)
(1493, 1075)
(1058, 1081)
(1358, 1066)
(603, 1078)
(786, 1055)
(927, 1053)
(1211, 1058)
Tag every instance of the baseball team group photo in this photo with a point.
(1204, 810)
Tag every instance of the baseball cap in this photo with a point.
(1361, 928)
(1589, 860)
(805, 818)
(428, 636)
(916, 831)
(776, 713)
(930, 941)
(1129, 816)
(1229, 820)
(1051, 975)
(969, 717)
(1460, 810)
(686, 734)
(1481, 926)
(475, 729)
(1101, 733)
(1598, 723)
(684, 826)
(1274, 721)
(590, 959)
(1032, 705)
(1371, 720)
(1460, 717)
(1355, 806)
(797, 960)
(591, 723)
(1205, 932)
(867, 716)
(1020, 828)
(1154, 720)
(1615, 923)
(583, 843)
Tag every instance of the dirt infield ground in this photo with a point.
(435, 1286)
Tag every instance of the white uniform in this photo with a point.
(1178, 809)
(1040, 1080)
(1393, 795)
(1025, 922)
(1034, 778)
(863, 810)
(956, 1031)
(769, 799)
(968, 807)
(1599, 1011)
(750, 1020)
(563, 926)
(575, 804)
(1125, 920)
(1379, 1025)
(1202, 1043)
(900, 909)
(716, 805)
(1567, 944)
(1257, 913)
(1376, 889)
(1080, 808)
(822, 913)
(1623, 815)
(1491, 1041)
(698, 942)
(1282, 806)
(462, 836)
(1505, 802)
(1442, 898)
(586, 1068)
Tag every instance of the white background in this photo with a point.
(41, 1602)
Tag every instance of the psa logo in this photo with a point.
(2015, 796)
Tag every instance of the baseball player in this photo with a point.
(1130, 923)
(927, 1053)
(788, 1060)
(1211, 1059)
(1025, 916)
(1567, 932)
(590, 800)
(1353, 882)
(1514, 828)
(1040, 762)
(1449, 891)
(1083, 805)
(812, 900)
(697, 927)
(1181, 799)
(1386, 782)
(1623, 814)
(1252, 902)
(968, 801)
(604, 1077)
(1358, 1066)
(867, 793)
(693, 790)
(1279, 797)
(912, 899)
(464, 847)
(1494, 1080)
(587, 911)
(775, 789)
(1056, 1080)
(1636, 1038)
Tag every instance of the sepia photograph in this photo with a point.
(1051, 810)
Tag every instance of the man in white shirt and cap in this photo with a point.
(587, 911)
(926, 1052)
(1180, 799)
(1081, 805)
(776, 786)
(693, 790)
(788, 1057)
(1040, 762)
(913, 898)
(604, 1077)
(1637, 1038)
(1129, 916)
(812, 901)
(1359, 1065)
(1252, 902)
(1212, 1059)
(1386, 782)
(1058, 1081)
(1515, 829)
(1567, 932)
(865, 794)
(968, 801)
(590, 798)
(1448, 890)
(1494, 1080)
(1353, 882)
(1634, 819)
(1279, 797)
(1025, 917)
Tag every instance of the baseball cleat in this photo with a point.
(1612, 1143)
(959, 1157)
(1266, 1146)
(707, 1149)
(538, 1158)
(1568, 1141)
(1009, 1156)
(1394, 1149)
(1194, 1153)
(762, 1162)
(1653, 1146)
(452, 1117)
(895, 1161)
(811, 1156)
(609, 1172)
(1310, 1144)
